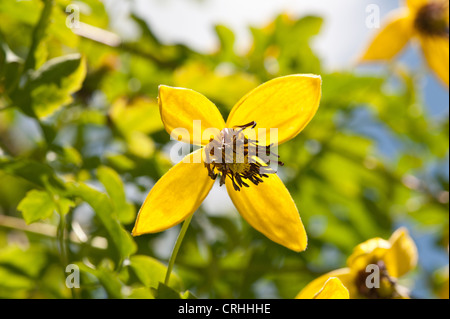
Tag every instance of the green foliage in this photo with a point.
(82, 143)
(39, 205)
(107, 214)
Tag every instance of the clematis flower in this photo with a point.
(426, 21)
(373, 269)
(287, 104)
(332, 289)
(442, 278)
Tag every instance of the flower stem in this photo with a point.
(176, 248)
(61, 240)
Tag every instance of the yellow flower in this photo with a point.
(373, 269)
(424, 20)
(287, 104)
(442, 282)
(332, 289)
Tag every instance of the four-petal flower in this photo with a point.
(287, 104)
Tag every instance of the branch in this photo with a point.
(46, 230)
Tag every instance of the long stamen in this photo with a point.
(243, 166)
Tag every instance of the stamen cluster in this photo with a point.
(233, 154)
(432, 19)
(387, 286)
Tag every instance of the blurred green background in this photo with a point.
(82, 143)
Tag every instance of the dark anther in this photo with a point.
(243, 166)
(387, 286)
(432, 19)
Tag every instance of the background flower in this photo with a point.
(423, 21)
(378, 262)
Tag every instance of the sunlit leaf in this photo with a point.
(115, 189)
(151, 272)
(104, 210)
(29, 261)
(39, 205)
(50, 87)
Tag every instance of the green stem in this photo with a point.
(63, 247)
(61, 240)
(176, 248)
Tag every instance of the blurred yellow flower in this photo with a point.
(424, 20)
(287, 104)
(443, 293)
(332, 289)
(442, 282)
(373, 269)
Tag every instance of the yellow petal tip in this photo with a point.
(299, 246)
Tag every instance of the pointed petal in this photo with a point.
(436, 52)
(269, 208)
(402, 255)
(180, 107)
(333, 289)
(346, 277)
(285, 103)
(366, 252)
(391, 40)
(174, 197)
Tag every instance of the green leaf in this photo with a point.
(50, 87)
(109, 279)
(227, 40)
(72, 156)
(151, 272)
(39, 205)
(141, 293)
(104, 210)
(140, 115)
(10, 279)
(28, 262)
(188, 295)
(114, 187)
(165, 292)
(34, 172)
(9, 65)
(23, 11)
(38, 34)
(36, 205)
(224, 88)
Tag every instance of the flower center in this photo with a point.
(432, 19)
(377, 284)
(234, 155)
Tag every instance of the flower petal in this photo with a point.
(402, 255)
(270, 209)
(391, 39)
(346, 277)
(367, 253)
(436, 52)
(333, 289)
(180, 107)
(286, 103)
(415, 5)
(174, 197)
